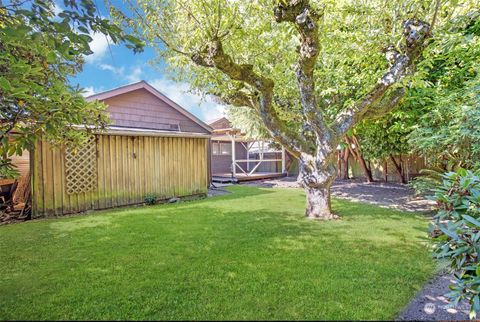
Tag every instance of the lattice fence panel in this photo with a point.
(81, 167)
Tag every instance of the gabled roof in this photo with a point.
(219, 123)
(212, 121)
(149, 88)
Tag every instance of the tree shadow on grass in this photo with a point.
(257, 209)
(247, 255)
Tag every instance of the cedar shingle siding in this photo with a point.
(141, 109)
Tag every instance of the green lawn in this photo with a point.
(247, 255)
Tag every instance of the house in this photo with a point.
(153, 147)
(236, 157)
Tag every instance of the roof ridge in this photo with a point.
(145, 85)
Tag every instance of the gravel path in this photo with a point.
(430, 303)
(392, 195)
(217, 190)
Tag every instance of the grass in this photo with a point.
(247, 255)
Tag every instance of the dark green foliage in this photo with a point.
(150, 199)
(448, 130)
(438, 117)
(457, 230)
(7, 169)
(39, 53)
(388, 135)
(430, 179)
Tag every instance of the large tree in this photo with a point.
(311, 70)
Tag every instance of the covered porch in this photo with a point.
(236, 158)
(241, 177)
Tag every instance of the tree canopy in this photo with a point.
(353, 36)
(311, 70)
(40, 49)
(448, 130)
(439, 116)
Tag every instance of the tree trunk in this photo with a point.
(339, 163)
(318, 203)
(398, 167)
(342, 164)
(357, 154)
(385, 170)
(317, 183)
(346, 155)
(366, 170)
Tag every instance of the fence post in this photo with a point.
(234, 166)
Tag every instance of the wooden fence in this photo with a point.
(127, 169)
(411, 164)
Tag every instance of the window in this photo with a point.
(216, 148)
(225, 149)
(220, 148)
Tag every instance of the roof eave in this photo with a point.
(144, 85)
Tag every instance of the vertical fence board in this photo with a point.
(100, 173)
(163, 177)
(156, 165)
(127, 169)
(130, 169)
(204, 167)
(57, 181)
(181, 168)
(47, 177)
(37, 175)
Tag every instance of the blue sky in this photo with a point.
(113, 65)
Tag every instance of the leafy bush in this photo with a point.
(457, 233)
(430, 179)
(150, 199)
(7, 169)
(447, 128)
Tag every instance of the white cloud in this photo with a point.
(116, 70)
(99, 46)
(204, 108)
(135, 75)
(88, 91)
(57, 8)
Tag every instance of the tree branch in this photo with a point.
(238, 99)
(435, 14)
(386, 104)
(306, 20)
(157, 31)
(214, 56)
(416, 33)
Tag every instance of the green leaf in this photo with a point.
(5, 84)
(448, 232)
(475, 307)
(471, 220)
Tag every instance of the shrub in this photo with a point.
(150, 199)
(8, 170)
(457, 233)
(430, 179)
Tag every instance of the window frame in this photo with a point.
(221, 148)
